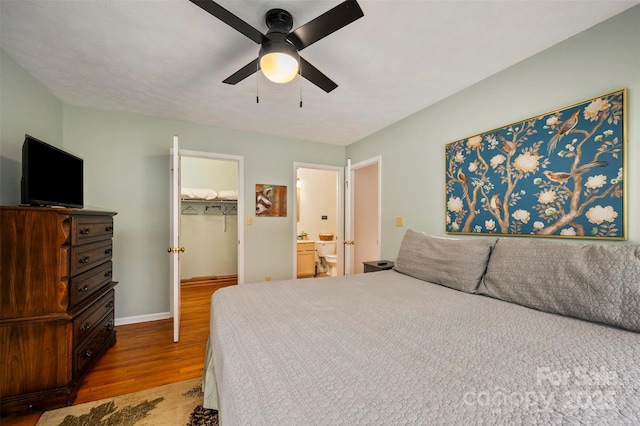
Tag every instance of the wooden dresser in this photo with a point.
(56, 302)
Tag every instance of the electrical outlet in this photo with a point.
(399, 221)
(249, 221)
(267, 278)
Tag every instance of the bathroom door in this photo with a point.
(348, 222)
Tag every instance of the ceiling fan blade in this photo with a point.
(325, 24)
(243, 72)
(230, 19)
(316, 76)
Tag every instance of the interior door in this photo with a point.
(362, 240)
(348, 222)
(174, 235)
(366, 208)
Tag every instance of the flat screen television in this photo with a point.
(50, 176)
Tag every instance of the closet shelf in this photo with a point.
(191, 200)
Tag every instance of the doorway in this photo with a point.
(319, 213)
(208, 220)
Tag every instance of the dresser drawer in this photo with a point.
(91, 318)
(89, 256)
(86, 284)
(90, 349)
(87, 229)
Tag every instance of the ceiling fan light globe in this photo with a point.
(279, 67)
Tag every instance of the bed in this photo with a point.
(391, 348)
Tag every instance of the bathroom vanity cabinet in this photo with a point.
(306, 259)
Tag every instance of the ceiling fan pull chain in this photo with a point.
(300, 72)
(257, 81)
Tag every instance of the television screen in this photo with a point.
(50, 176)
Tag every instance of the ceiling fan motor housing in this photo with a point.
(280, 23)
(279, 20)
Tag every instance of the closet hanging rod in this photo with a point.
(214, 210)
(198, 200)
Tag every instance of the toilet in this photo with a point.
(326, 251)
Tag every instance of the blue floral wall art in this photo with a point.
(560, 174)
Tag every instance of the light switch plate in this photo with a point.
(399, 221)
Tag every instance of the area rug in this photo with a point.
(169, 405)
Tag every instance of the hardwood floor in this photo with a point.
(145, 356)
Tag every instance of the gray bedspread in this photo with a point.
(387, 349)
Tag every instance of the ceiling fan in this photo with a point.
(278, 58)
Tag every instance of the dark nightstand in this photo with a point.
(377, 265)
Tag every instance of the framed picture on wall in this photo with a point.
(271, 200)
(560, 174)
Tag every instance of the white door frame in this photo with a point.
(339, 212)
(364, 163)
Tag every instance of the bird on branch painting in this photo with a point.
(495, 205)
(462, 178)
(566, 126)
(508, 146)
(563, 177)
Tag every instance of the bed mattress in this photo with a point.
(385, 348)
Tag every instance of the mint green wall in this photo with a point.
(127, 169)
(26, 106)
(603, 59)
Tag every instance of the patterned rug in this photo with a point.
(170, 405)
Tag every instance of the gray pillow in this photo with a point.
(459, 264)
(593, 282)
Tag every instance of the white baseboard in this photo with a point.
(142, 318)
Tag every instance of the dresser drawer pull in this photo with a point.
(109, 326)
(108, 229)
(84, 289)
(84, 259)
(86, 326)
(109, 305)
(85, 231)
(108, 274)
(87, 353)
(108, 251)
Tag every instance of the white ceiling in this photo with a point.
(167, 58)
